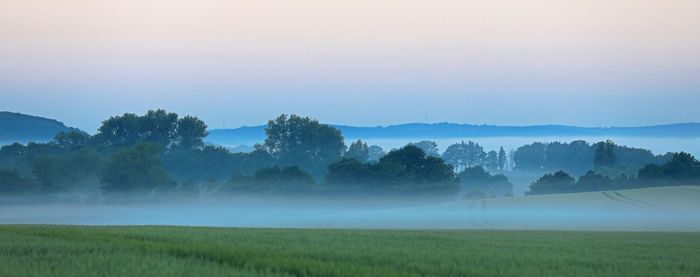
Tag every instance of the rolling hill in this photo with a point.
(16, 127)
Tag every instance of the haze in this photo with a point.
(496, 62)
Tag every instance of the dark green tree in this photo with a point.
(190, 133)
(429, 147)
(47, 171)
(72, 139)
(530, 157)
(121, 130)
(157, 126)
(478, 179)
(558, 182)
(136, 169)
(274, 180)
(12, 183)
(406, 171)
(463, 155)
(375, 153)
(358, 150)
(302, 141)
(594, 182)
(604, 154)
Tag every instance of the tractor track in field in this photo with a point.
(621, 200)
(640, 202)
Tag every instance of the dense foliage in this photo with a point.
(12, 183)
(580, 157)
(359, 151)
(304, 142)
(273, 180)
(137, 169)
(405, 171)
(682, 169)
(478, 179)
(159, 152)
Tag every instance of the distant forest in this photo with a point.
(163, 155)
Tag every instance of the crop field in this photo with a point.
(43, 250)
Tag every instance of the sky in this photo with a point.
(355, 62)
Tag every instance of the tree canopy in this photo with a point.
(358, 150)
(478, 179)
(463, 155)
(405, 171)
(157, 126)
(136, 169)
(304, 142)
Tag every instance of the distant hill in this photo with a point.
(16, 127)
(256, 134)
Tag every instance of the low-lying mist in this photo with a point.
(652, 209)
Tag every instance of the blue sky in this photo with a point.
(590, 63)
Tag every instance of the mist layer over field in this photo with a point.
(662, 209)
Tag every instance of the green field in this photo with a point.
(31, 250)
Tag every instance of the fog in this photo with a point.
(658, 146)
(652, 209)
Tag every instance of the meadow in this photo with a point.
(53, 250)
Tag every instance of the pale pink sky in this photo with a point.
(366, 62)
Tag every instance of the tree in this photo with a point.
(122, 130)
(462, 155)
(404, 171)
(157, 126)
(604, 154)
(429, 147)
(208, 162)
(46, 169)
(274, 180)
(558, 182)
(375, 153)
(190, 133)
(502, 159)
(12, 183)
(682, 169)
(358, 150)
(478, 179)
(294, 140)
(349, 172)
(71, 139)
(593, 181)
(530, 157)
(576, 157)
(136, 169)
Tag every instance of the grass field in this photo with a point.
(40, 250)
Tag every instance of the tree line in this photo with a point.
(161, 153)
(681, 169)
